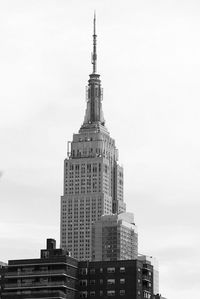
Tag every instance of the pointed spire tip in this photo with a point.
(95, 22)
(94, 54)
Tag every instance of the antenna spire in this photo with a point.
(94, 92)
(94, 54)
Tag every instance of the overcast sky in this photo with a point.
(149, 61)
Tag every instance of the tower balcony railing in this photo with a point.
(34, 284)
(38, 272)
(146, 277)
(37, 294)
(146, 267)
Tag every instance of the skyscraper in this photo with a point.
(93, 179)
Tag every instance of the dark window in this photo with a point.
(92, 271)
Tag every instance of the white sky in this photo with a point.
(148, 58)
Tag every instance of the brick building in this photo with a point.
(57, 275)
(128, 279)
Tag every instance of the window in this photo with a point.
(122, 280)
(111, 293)
(122, 292)
(110, 281)
(92, 293)
(83, 271)
(31, 269)
(147, 295)
(83, 282)
(105, 168)
(101, 281)
(29, 281)
(122, 269)
(92, 271)
(89, 168)
(100, 293)
(111, 270)
(92, 281)
(83, 294)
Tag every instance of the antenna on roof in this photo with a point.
(94, 54)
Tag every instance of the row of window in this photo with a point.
(85, 294)
(78, 200)
(109, 141)
(111, 281)
(85, 271)
(92, 152)
(89, 167)
(83, 191)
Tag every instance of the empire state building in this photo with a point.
(93, 179)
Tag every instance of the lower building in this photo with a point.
(154, 262)
(115, 237)
(53, 275)
(2, 275)
(128, 279)
(56, 275)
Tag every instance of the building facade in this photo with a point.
(56, 275)
(154, 262)
(129, 279)
(115, 237)
(53, 275)
(93, 178)
(3, 268)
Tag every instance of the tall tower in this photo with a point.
(93, 179)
